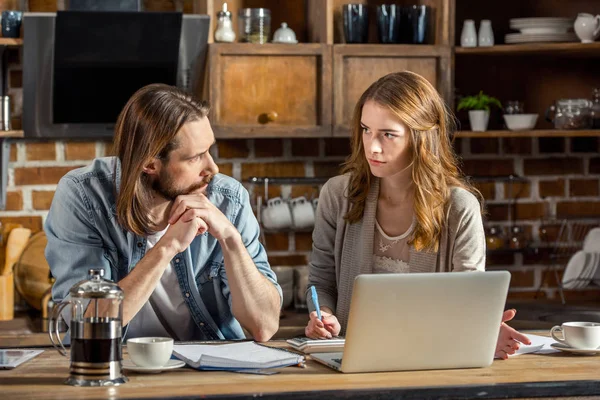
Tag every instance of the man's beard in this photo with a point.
(165, 186)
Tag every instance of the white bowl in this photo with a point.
(150, 352)
(520, 122)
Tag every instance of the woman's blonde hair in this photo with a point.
(147, 128)
(434, 164)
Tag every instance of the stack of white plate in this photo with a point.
(584, 266)
(541, 30)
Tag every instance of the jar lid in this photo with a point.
(494, 230)
(574, 102)
(254, 12)
(224, 12)
(96, 287)
(284, 35)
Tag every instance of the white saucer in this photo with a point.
(172, 364)
(564, 347)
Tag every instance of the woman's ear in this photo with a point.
(152, 166)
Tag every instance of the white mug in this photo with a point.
(302, 213)
(276, 215)
(578, 335)
(587, 27)
(150, 352)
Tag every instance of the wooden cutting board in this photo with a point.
(32, 270)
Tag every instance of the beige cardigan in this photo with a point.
(341, 251)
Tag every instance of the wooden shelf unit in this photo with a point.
(11, 134)
(11, 42)
(532, 133)
(554, 49)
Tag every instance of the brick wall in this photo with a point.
(563, 183)
(563, 180)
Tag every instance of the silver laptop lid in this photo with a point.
(424, 321)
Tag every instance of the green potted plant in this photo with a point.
(479, 109)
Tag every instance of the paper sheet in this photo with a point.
(539, 345)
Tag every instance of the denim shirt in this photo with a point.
(83, 233)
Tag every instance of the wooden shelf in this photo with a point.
(11, 134)
(413, 50)
(573, 49)
(534, 133)
(11, 42)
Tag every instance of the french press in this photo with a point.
(96, 321)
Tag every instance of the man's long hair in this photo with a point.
(146, 129)
(434, 164)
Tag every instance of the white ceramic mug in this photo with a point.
(150, 352)
(302, 213)
(587, 27)
(276, 215)
(578, 335)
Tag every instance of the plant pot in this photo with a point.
(479, 120)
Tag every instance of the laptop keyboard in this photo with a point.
(337, 360)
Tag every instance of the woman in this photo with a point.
(400, 206)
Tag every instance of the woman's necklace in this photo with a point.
(383, 247)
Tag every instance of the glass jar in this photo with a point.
(596, 109)
(514, 107)
(517, 238)
(571, 114)
(224, 32)
(494, 238)
(254, 25)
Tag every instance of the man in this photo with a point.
(180, 239)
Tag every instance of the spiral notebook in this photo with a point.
(235, 356)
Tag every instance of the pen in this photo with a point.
(315, 300)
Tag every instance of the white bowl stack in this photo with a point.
(541, 30)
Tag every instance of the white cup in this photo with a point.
(150, 352)
(276, 215)
(587, 27)
(578, 335)
(302, 213)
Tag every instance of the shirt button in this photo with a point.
(187, 294)
(201, 323)
(177, 260)
(139, 244)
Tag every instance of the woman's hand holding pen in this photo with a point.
(326, 328)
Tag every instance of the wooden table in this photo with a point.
(530, 375)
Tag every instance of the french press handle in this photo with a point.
(53, 327)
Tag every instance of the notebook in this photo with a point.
(10, 358)
(235, 356)
(308, 346)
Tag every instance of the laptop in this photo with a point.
(422, 321)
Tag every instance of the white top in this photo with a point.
(391, 254)
(169, 300)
